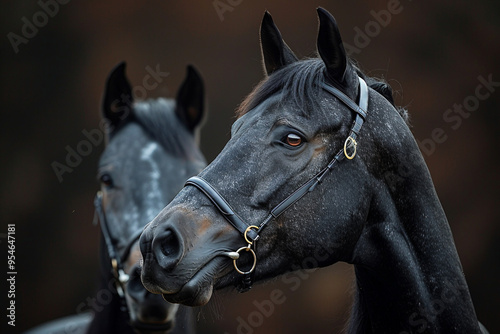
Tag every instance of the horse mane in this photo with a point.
(299, 83)
(382, 87)
(159, 120)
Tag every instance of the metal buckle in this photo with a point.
(246, 231)
(248, 249)
(350, 142)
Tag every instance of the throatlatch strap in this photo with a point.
(360, 110)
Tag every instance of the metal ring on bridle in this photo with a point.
(353, 143)
(248, 249)
(246, 231)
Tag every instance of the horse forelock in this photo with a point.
(158, 118)
(300, 83)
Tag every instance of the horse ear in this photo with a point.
(191, 99)
(275, 52)
(330, 46)
(117, 102)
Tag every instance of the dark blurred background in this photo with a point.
(435, 55)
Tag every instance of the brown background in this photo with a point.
(432, 54)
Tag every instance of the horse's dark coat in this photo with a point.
(379, 211)
(151, 150)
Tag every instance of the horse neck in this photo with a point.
(408, 275)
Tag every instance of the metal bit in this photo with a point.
(232, 255)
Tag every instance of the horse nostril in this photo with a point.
(134, 285)
(167, 248)
(169, 243)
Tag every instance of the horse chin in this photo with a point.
(187, 297)
(152, 328)
(150, 314)
(198, 290)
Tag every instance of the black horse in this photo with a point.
(151, 151)
(320, 168)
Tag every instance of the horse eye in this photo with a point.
(106, 180)
(293, 140)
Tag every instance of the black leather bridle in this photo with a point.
(251, 232)
(119, 276)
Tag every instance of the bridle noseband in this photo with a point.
(251, 232)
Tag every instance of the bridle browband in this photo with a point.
(251, 232)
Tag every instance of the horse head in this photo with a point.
(320, 168)
(151, 150)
